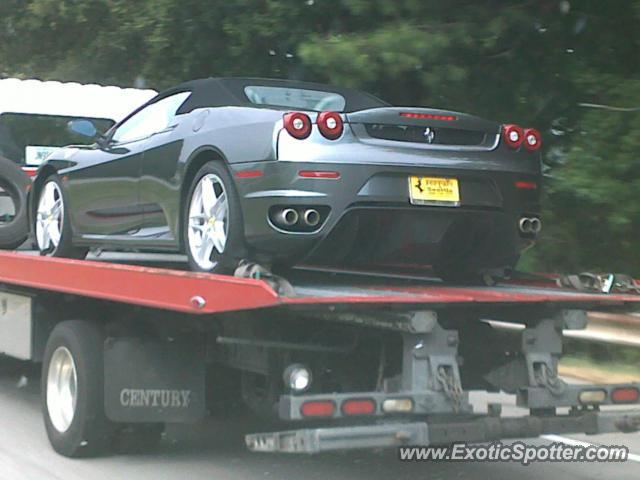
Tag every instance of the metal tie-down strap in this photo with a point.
(451, 386)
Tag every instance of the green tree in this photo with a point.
(523, 61)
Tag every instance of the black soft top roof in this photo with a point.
(229, 91)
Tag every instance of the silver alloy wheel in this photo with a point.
(62, 389)
(208, 220)
(49, 217)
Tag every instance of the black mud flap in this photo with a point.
(152, 381)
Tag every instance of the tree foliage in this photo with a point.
(530, 62)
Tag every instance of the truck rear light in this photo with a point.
(513, 135)
(590, 397)
(330, 125)
(625, 395)
(429, 116)
(358, 406)
(297, 377)
(319, 408)
(397, 405)
(532, 139)
(297, 124)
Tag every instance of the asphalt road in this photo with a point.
(214, 450)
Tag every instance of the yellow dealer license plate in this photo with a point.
(434, 191)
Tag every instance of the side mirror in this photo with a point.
(81, 127)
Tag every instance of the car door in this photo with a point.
(159, 182)
(104, 191)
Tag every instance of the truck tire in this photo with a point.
(73, 390)
(16, 184)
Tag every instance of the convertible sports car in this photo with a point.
(282, 172)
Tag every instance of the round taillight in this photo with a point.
(532, 139)
(513, 135)
(330, 125)
(297, 124)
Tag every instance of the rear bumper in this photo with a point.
(427, 402)
(435, 402)
(482, 429)
(369, 201)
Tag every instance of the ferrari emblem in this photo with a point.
(429, 135)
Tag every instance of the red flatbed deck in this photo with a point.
(183, 291)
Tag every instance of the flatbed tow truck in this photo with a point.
(342, 359)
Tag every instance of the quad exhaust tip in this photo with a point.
(287, 217)
(311, 217)
(303, 219)
(530, 225)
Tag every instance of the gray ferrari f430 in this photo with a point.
(285, 172)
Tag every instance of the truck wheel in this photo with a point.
(15, 183)
(213, 230)
(73, 390)
(52, 225)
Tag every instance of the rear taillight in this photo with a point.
(592, 397)
(359, 406)
(320, 408)
(513, 135)
(402, 405)
(297, 124)
(625, 395)
(330, 125)
(532, 139)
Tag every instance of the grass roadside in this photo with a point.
(594, 371)
(603, 362)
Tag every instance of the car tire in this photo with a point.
(75, 351)
(216, 262)
(16, 184)
(64, 247)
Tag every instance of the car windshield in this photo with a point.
(298, 98)
(28, 139)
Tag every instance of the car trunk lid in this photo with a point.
(425, 126)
